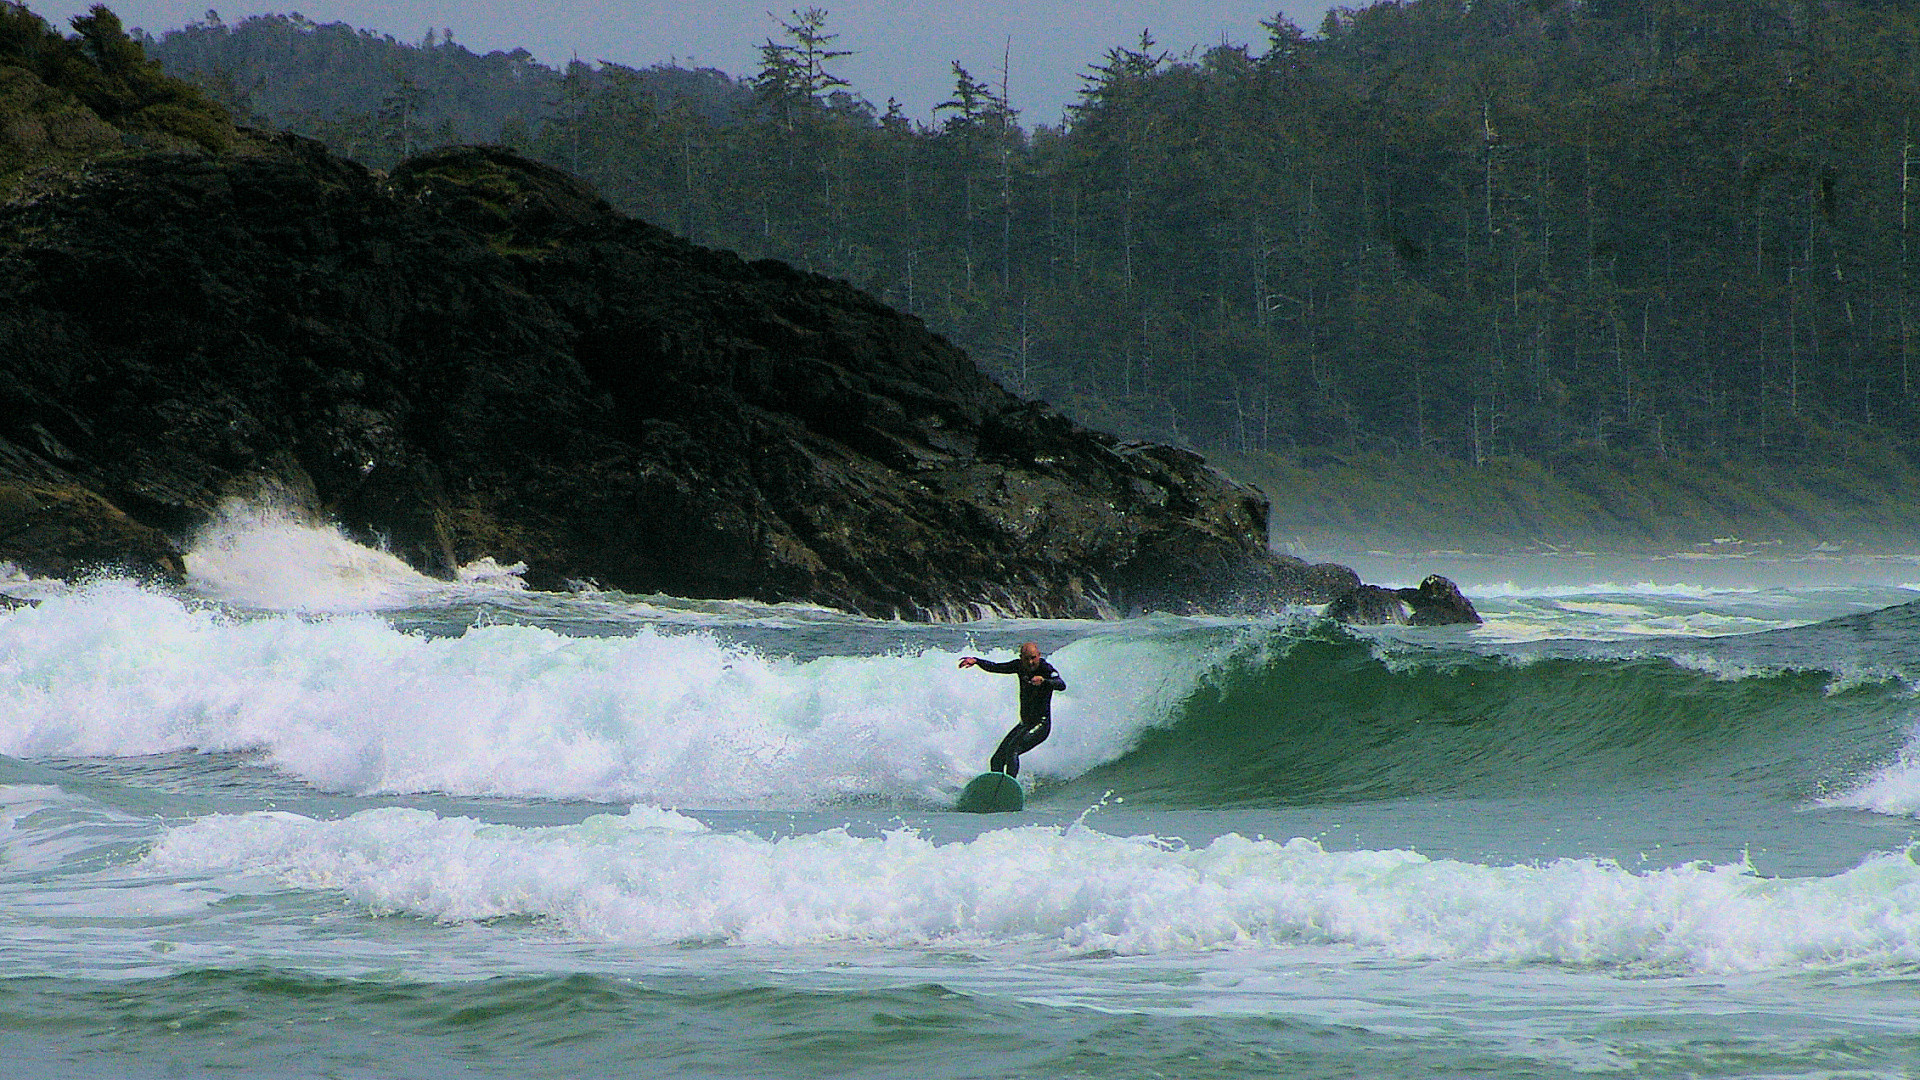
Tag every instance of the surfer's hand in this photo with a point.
(969, 661)
(1038, 680)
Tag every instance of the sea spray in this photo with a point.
(262, 554)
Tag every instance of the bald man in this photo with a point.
(1038, 681)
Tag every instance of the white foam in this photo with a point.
(1517, 626)
(20, 585)
(1510, 589)
(1893, 788)
(655, 878)
(1842, 678)
(262, 555)
(349, 703)
(1577, 614)
(484, 571)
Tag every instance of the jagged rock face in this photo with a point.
(478, 356)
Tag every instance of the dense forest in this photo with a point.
(1464, 230)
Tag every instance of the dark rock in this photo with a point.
(1439, 602)
(478, 356)
(1370, 605)
(64, 531)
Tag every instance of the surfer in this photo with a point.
(1038, 681)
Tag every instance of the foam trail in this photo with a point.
(1507, 589)
(654, 877)
(64, 857)
(1612, 612)
(349, 703)
(27, 842)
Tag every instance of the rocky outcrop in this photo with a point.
(1439, 602)
(1436, 602)
(477, 356)
(67, 531)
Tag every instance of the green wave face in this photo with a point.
(1322, 715)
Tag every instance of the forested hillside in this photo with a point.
(1457, 230)
(1474, 228)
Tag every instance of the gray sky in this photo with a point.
(901, 50)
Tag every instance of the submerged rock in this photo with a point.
(478, 356)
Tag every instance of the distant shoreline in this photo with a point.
(1591, 504)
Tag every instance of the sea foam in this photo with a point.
(653, 877)
(684, 718)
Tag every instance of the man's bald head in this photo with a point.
(1029, 651)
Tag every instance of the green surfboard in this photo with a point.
(991, 793)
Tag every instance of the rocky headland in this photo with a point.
(476, 355)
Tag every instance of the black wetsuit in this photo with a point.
(1036, 711)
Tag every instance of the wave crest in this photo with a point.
(655, 878)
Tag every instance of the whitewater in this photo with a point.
(316, 814)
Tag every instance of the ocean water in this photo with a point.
(319, 816)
